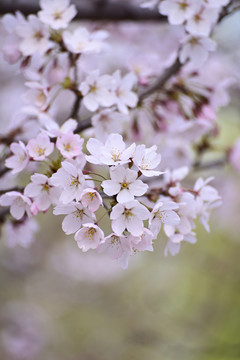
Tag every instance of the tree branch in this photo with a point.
(3, 214)
(91, 10)
(83, 125)
(172, 70)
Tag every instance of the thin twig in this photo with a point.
(76, 106)
(172, 70)
(83, 125)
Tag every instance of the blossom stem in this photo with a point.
(103, 215)
(93, 173)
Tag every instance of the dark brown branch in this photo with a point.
(76, 106)
(91, 10)
(4, 171)
(3, 214)
(83, 125)
(172, 70)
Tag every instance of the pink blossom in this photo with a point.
(91, 199)
(69, 145)
(19, 204)
(19, 160)
(40, 147)
(90, 236)
(43, 194)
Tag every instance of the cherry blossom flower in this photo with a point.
(125, 97)
(19, 204)
(56, 13)
(90, 236)
(38, 94)
(113, 152)
(35, 36)
(69, 145)
(19, 160)
(70, 179)
(124, 183)
(10, 47)
(176, 175)
(10, 21)
(117, 247)
(206, 192)
(77, 215)
(83, 42)
(146, 160)
(40, 147)
(53, 129)
(20, 233)
(201, 23)
(130, 216)
(97, 91)
(43, 194)
(163, 213)
(143, 242)
(196, 49)
(91, 199)
(178, 11)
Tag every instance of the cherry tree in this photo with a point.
(136, 129)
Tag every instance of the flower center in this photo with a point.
(91, 233)
(124, 185)
(46, 187)
(128, 213)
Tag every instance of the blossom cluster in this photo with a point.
(198, 19)
(102, 161)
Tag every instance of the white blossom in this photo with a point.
(125, 97)
(43, 194)
(81, 41)
(113, 152)
(19, 204)
(163, 213)
(178, 10)
(20, 233)
(35, 36)
(56, 13)
(77, 215)
(70, 179)
(201, 23)
(118, 248)
(196, 49)
(97, 90)
(130, 216)
(146, 160)
(124, 182)
(19, 160)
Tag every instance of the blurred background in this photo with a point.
(57, 303)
